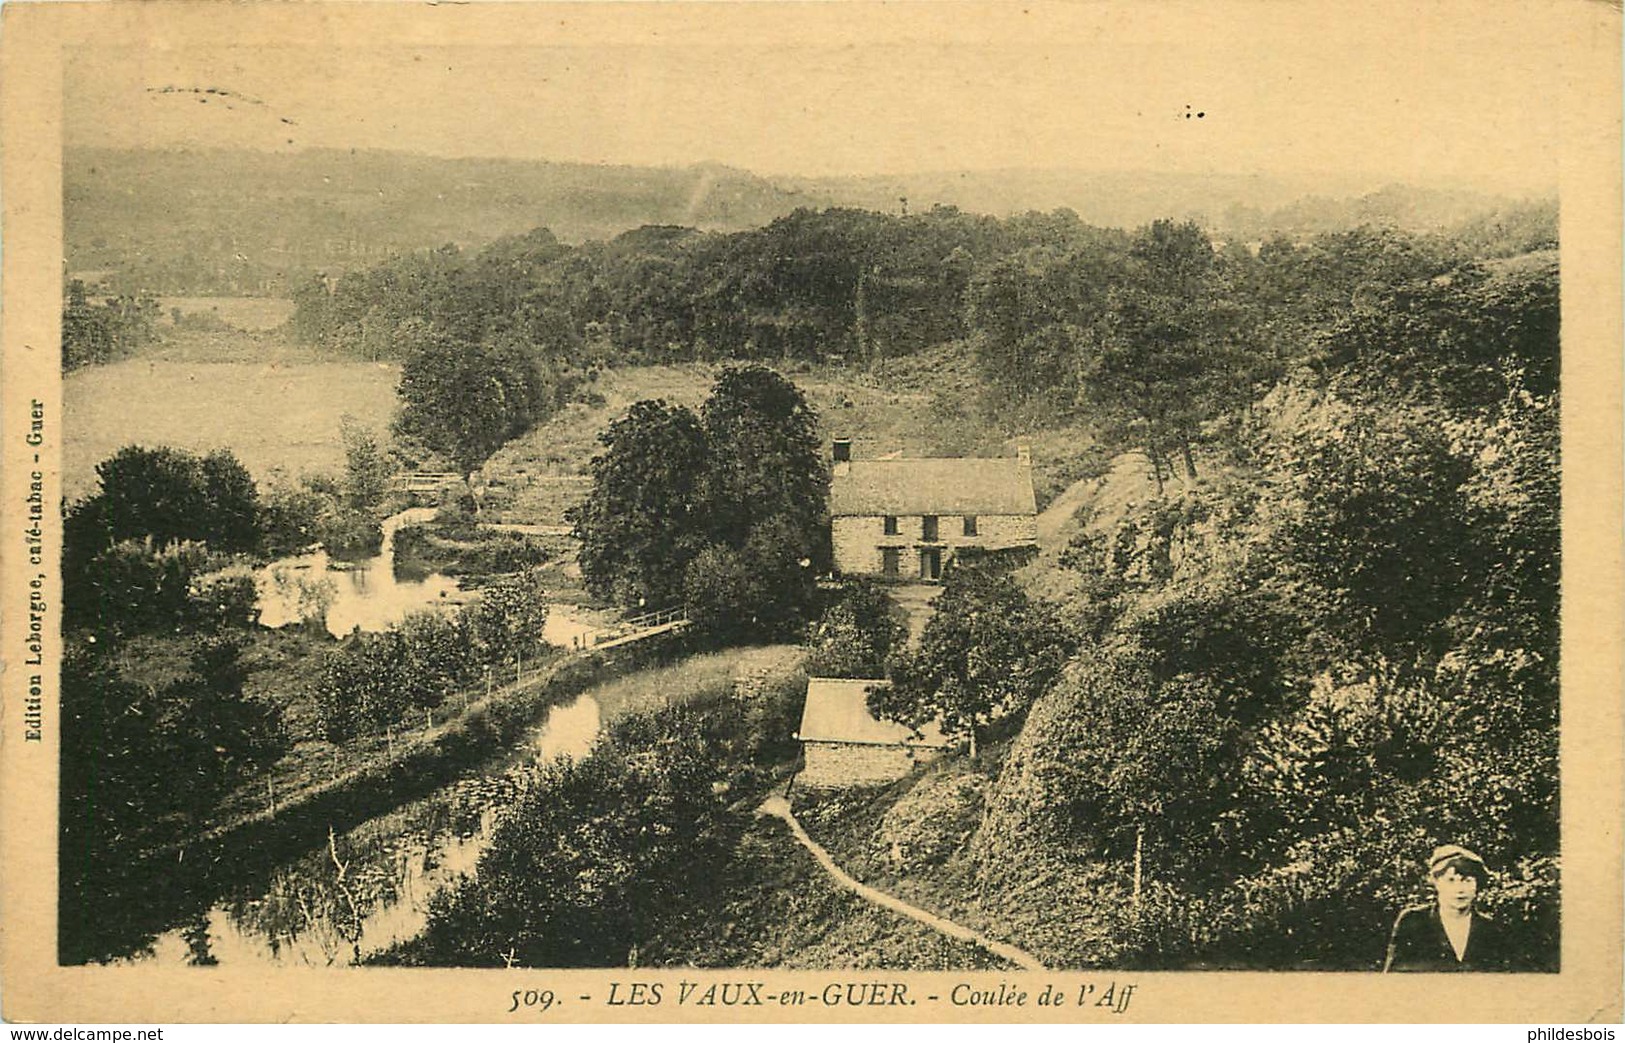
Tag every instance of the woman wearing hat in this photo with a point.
(1449, 934)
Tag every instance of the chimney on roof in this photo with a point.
(841, 457)
(1024, 455)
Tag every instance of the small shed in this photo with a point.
(845, 745)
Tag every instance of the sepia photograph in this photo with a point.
(898, 499)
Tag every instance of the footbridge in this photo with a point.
(633, 628)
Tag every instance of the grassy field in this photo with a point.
(655, 687)
(275, 405)
(242, 313)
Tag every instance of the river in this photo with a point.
(367, 889)
(370, 888)
(368, 595)
(364, 594)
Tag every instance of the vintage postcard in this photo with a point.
(854, 512)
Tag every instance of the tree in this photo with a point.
(507, 620)
(1461, 340)
(466, 399)
(1165, 358)
(987, 652)
(147, 761)
(764, 463)
(600, 849)
(720, 592)
(641, 524)
(1383, 526)
(96, 333)
(745, 486)
(367, 470)
(1031, 310)
(121, 558)
(289, 515)
(857, 634)
(762, 590)
(169, 495)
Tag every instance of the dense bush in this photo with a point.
(464, 551)
(1294, 696)
(168, 496)
(348, 534)
(372, 681)
(289, 515)
(599, 854)
(857, 634)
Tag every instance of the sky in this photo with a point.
(850, 89)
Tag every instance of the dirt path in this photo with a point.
(779, 808)
(1111, 496)
(1060, 511)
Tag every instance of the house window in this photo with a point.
(928, 527)
(891, 560)
(970, 525)
(891, 525)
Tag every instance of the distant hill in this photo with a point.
(1242, 206)
(246, 222)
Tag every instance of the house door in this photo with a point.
(931, 563)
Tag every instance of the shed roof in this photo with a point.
(837, 710)
(934, 486)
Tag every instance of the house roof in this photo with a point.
(936, 486)
(837, 710)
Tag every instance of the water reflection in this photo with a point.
(571, 626)
(365, 594)
(367, 890)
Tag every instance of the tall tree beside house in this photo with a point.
(765, 500)
(766, 462)
(988, 651)
(764, 590)
(640, 525)
(726, 512)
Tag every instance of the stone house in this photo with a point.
(905, 519)
(845, 745)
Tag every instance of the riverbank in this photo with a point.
(166, 885)
(331, 890)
